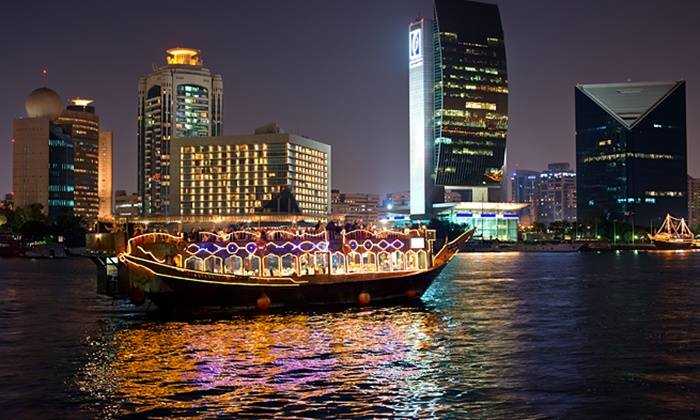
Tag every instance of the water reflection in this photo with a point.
(250, 363)
(499, 335)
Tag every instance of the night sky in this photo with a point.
(337, 71)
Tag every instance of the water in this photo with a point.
(499, 335)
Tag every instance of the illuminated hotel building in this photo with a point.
(42, 156)
(105, 175)
(631, 154)
(458, 104)
(81, 123)
(244, 174)
(179, 99)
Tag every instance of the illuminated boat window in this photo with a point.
(273, 265)
(338, 263)
(289, 265)
(369, 262)
(306, 264)
(321, 263)
(251, 265)
(411, 260)
(397, 261)
(383, 261)
(194, 263)
(234, 265)
(354, 262)
(213, 264)
(422, 260)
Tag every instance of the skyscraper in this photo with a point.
(105, 175)
(458, 100)
(179, 99)
(42, 156)
(83, 125)
(631, 153)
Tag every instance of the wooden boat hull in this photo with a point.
(672, 245)
(189, 293)
(173, 287)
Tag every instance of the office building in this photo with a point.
(555, 194)
(83, 125)
(105, 175)
(127, 205)
(458, 104)
(631, 156)
(43, 156)
(355, 207)
(694, 202)
(523, 188)
(180, 99)
(523, 184)
(247, 174)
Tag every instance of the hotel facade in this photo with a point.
(180, 99)
(247, 174)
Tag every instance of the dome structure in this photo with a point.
(43, 102)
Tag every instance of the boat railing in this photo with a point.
(289, 254)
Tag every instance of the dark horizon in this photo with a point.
(338, 72)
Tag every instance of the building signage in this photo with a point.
(415, 53)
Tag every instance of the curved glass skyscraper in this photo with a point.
(458, 100)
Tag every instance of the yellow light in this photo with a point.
(81, 101)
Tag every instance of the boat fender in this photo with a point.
(411, 293)
(363, 299)
(263, 302)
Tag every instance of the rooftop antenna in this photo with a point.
(45, 76)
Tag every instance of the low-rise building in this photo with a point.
(355, 207)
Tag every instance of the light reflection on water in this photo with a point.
(499, 335)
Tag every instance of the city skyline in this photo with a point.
(325, 94)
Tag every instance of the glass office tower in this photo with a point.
(61, 172)
(457, 69)
(631, 153)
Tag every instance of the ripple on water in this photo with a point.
(514, 335)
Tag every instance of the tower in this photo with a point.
(180, 99)
(83, 125)
(631, 152)
(457, 72)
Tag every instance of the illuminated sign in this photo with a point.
(415, 52)
(417, 243)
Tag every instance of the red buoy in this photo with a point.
(363, 299)
(411, 293)
(263, 302)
